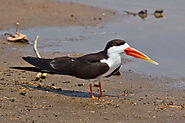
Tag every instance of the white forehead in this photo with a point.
(125, 46)
(118, 49)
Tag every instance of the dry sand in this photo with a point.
(134, 98)
(32, 13)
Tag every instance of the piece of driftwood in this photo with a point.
(19, 37)
(35, 47)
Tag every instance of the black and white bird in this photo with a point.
(158, 13)
(91, 66)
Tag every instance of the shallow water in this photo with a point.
(161, 39)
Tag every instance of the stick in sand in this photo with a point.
(39, 75)
(17, 27)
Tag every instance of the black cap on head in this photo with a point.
(115, 42)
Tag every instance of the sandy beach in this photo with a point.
(133, 97)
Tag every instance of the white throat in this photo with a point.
(114, 58)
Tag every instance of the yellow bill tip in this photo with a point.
(151, 61)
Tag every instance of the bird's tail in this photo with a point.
(43, 64)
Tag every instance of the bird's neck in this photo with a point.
(113, 56)
(113, 60)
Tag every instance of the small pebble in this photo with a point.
(60, 89)
(23, 93)
(12, 100)
(8, 75)
(66, 82)
(39, 86)
(96, 84)
(159, 101)
(92, 112)
(36, 79)
(81, 84)
(106, 118)
(43, 77)
(117, 105)
(170, 103)
(101, 90)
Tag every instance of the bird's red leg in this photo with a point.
(101, 94)
(92, 96)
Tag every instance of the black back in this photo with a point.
(85, 67)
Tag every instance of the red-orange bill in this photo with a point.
(135, 53)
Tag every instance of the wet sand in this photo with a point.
(133, 97)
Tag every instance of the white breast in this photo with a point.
(113, 62)
(114, 58)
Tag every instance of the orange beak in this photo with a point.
(135, 53)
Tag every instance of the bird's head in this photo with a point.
(118, 46)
